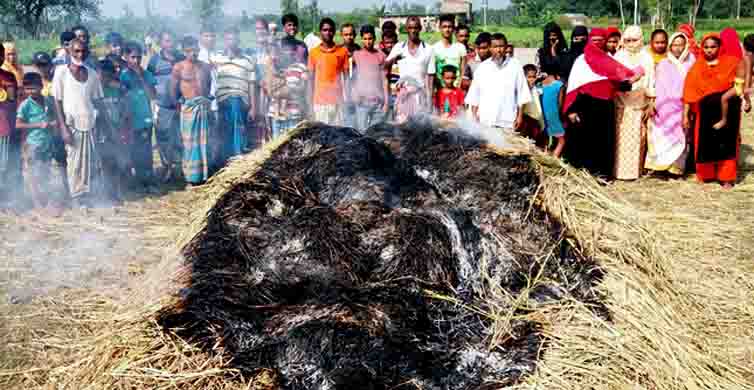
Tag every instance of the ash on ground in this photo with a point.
(385, 261)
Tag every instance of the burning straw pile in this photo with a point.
(417, 257)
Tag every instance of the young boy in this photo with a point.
(533, 119)
(115, 134)
(447, 52)
(370, 83)
(34, 117)
(328, 64)
(389, 39)
(509, 51)
(553, 96)
(449, 98)
(348, 34)
(463, 36)
(139, 86)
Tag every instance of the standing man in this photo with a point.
(389, 40)
(348, 34)
(370, 84)
(482, 49)
(262, 58)
(416, 61)
(78, 97)
(236, 84)
(166, 109)
(82, 34)
(499, 89)
(463, 36)
(447, 52)
(292, 49)
(193, 79)
(61, 53)
(328, 65)
(113, 45)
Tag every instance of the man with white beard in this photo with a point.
(499, 89)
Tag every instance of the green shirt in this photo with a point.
(32, 112)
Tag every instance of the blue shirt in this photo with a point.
(551, 108)
(162, 69)
(137, 98)
(32, 112)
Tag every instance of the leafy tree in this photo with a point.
(289, 6)
(30, 15)
(207, 11)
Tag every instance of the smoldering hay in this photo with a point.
(408, 257)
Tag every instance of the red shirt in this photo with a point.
(449, 101)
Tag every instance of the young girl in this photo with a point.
(449, 98)
(553, 96)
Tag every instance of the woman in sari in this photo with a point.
(630, 106)
(593, 83)
(716, 149)
(689, 31)
(667, 140)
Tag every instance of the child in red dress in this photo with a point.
(449, 99)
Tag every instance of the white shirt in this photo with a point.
(206, 56)
(77, 97)
(498, 92)
(416, 66)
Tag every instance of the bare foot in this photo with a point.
(720, 125)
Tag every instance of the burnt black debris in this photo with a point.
(374, 262)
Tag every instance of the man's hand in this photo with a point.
(746, 106)
(251, 116)
(651, 110)
(43, 125)
(574, 118)
(518, 123)
(686, 123)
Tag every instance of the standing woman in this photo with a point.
(630, 106)
(592, 85)
(667, 140)
(579, 39)
(716, 149)
(613, 40)
(553, 53)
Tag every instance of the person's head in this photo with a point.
(530, 70)
(678, 45)
(613, 41)
(79, 52)
(348, 33)
(687, 30)
(65, 40)
(108, 70)
(482, 45)
(498, 44)
(133, 53)
(413, 28)
(749, 43)
(449, 74)
(367, 36)
(553, 37)
(190, 47)
(633, 39)
(42, 62)
(232, 38)
(290, 24)
(550, 68)
(327, 30)
(598, 37)
(389, 39)
(659, 41)
(463, 34)
(579, 35)
(509, 51)
(117, 62)
(11, 53)
(114, 43)
(207, 36)
(389, 26)
(711, 46)
(261, 31)
(166, 40)
(447, 26)
(32, 83)
(81, 33)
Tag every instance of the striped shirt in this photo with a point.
(236, 76)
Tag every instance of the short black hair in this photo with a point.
(367, 29)
(551, 68)
(207, 28)
(79, 28)
(483, 37)
(510, 45)
(712, 37)
(448, 18)
(346, 25)
(749, 43)
(530, 68)
(463, 27)
(32, 79)
(232, 29)
(389, 25)
(66, 36)
(390, 35)
(189, 41)
(133, 47)
(107, 66)
(329, 21)
(449, 68)
(292, 18)
(659, 31)
(499, 37)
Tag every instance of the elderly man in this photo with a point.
(78, 96)
(499, 89)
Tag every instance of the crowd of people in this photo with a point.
(78, 130)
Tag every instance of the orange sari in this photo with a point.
(702, 81)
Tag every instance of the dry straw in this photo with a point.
(679, 284)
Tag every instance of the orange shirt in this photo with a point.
(328, 65)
